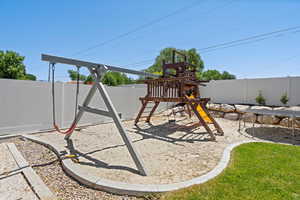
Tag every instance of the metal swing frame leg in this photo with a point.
(96, 74)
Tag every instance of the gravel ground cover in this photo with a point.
(179, 154)
(171, 152)
(64, 187)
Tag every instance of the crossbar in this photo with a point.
(97, 71)
(95, 111)
(80, 63)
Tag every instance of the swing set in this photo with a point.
(97, 71)
(177, 84)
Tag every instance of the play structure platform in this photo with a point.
(179, 84)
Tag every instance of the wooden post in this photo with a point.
(152, 111)
(144, 103)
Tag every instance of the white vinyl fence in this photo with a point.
(244, 91)
(26, 106)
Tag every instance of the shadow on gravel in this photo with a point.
(95, 162)
(275, 134)
(166, 132)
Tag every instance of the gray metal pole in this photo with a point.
(85, 103)
(134, 154)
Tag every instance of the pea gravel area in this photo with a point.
(63, 186)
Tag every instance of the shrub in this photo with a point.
(284, 99)
(260, 99)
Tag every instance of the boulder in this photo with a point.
(261, 107)
(213, 106)
(297, 123)
(241, 108)
(249, 117)
(217, 114)
(280, 108)
(293, 108)
(227, 108)
(286, 122)
(267, 119)
(231, 116)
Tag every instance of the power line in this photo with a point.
(195, 3)
(234, 43)
(208, 11)
(250, 38)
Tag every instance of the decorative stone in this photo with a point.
(227, 108)
(241, 108)
(267, 119)
(249, 117)
(217, 114)
(286, 122)
(213, 106)
(297, 123)
(261, 107)
(293, 108)
(231, 116)
(280, 108)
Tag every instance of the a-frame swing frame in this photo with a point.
(97, 71)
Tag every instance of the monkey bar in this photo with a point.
(97, 71)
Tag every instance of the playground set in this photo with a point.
(178, 84)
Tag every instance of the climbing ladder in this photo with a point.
(168, 90)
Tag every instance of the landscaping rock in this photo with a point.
(286, 122)
(231, 116)
(241, 108)
(293, 108)
(261, 107)
(227, 108)
(280, 108)
(213, 106)
(217, 114)
(249, 117)
(267, 119)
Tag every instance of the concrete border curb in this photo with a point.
(136, 189)
(37, 184)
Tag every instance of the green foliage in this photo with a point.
(226, 75)
(260, 99)
(109, 78)
(30, 77)
(257, 171)
(284, 99)
(214, 75)
(11, 65)
(73, 75)
(116, 78)
(193, 58)
(166, 54)
(89, 79)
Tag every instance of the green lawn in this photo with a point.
(257, 171)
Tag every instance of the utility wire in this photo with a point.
(208, 11)
(250, 38)
(239, 42)
(195, 3)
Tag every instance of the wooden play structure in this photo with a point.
(179, 84)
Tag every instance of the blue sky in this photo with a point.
(65, 27)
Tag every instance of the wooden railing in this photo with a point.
(167, 87)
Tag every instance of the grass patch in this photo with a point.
(256, 171)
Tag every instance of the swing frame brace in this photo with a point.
(97, 71)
